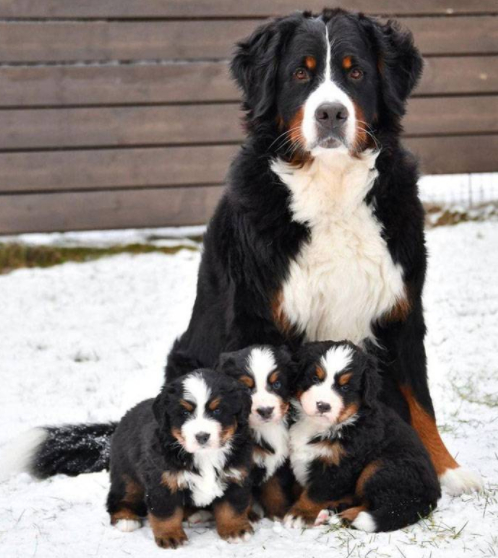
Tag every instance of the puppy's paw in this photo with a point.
(461, 481)
(128, 525)
(200, 516)
(323, 518)
(171, 541)
(296, 519)
(237, 535)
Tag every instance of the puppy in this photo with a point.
(188, 448)
(349, 451)
(265, 372)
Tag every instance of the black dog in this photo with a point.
(266, 373)
(351, 452)
(319, 234)
(188, 448)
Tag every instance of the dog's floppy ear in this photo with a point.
(161, 403)
(227, 364)
(371, 381)
(255, 65)
(399, 61)
(237, 393)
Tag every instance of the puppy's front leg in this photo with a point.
(165, 517)
(231, 514)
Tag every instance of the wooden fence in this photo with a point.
(120, 113)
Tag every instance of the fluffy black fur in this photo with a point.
(381, 466)
(271, 488)
(147, 459)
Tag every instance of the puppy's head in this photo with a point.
(335, 381)
(331, 81)
(264, 371)
(202, 410)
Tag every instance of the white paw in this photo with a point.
(323, 518)
(237, 540)
(461, 481)
(128, 525)
(294, 522)
(258, 510)
(201, 516)
(364, 522)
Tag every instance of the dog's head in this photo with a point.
(324, 82)
(203, 410)
(335, 381)
(265, 372)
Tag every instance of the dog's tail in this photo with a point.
(393, 516)
(68, 450)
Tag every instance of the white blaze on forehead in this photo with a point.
(327, 92)
(261, 363)
(335, 360)
(196, 391)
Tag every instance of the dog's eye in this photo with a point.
(277, 385)
(186, 413)
(315, 379)
(216, 411)
(301, 74)
(355, 73)
(345, 388)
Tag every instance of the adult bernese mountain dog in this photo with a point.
(320, 232)
(349, 451)
(188, 448)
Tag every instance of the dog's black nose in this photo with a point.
(265, 412)
(202, 438)
(331, 115)
(323, 407)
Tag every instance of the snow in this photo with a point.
(84, 342)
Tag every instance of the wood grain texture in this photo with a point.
(107, 210)
(198, 82)
(179, 124)
(104, 41)
(227, 8)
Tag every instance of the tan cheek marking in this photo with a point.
(214, 404)
(348, 412)
(426, 428)
(361, 141)
(178, 435)
(186, 405)
(247, 380)
(295, 127)
(344, 379)
(310, 62)
(228, 432)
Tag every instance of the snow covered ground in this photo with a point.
(83, 342)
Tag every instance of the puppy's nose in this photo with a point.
(331, 115)
(265, 412)
(323, 407)
(202, 438)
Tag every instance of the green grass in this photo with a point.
(16, 256)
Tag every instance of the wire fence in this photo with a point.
(466, 191)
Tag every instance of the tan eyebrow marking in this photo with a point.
(347, 62)
(186, 405)
(273, 377)
(310, 62)
(344, 379)
(320, 372)
(215, 403)
(247, 380)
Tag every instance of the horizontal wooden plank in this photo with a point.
(141, 168)
(113, 168)
(104, 41)
(74, 211)
(199, 124)
(227, 8)
(194, 82)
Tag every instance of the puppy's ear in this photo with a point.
(161, 403)
(255, 65)
(243, 403)
(399, 61)
(227, 364)
(371, 381)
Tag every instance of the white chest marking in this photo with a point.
(276, 435)
(344, 278)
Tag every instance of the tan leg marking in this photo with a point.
(168, 532)
(352, 513)
(273, 499)
(229, 523)
(365, 475)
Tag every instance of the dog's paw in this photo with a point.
(296, 519)
(128, 525)
(237, 534)
(200, 516)
(323, 518)
(171, 541)
(461, 481)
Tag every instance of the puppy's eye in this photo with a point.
(355, 73)
(216, 411)
(301, 74)
(316, 379)
(277, 385)
(345, 388)
(185, 413)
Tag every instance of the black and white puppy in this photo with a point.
(188, 448)
(266, 373)
(349, 451)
